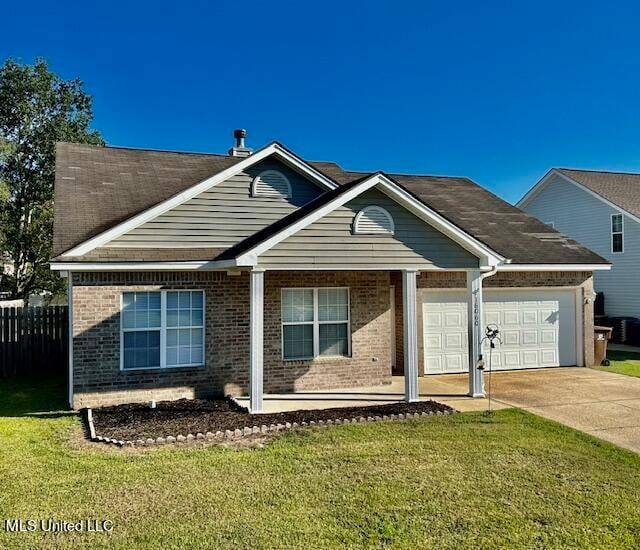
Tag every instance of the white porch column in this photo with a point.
(256, 327)
(410, 319)
(475, 332)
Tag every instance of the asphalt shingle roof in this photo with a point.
(99, 187)
(620, 188)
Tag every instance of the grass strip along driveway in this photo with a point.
(623, 362)
(465, 480)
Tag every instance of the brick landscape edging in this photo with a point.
(247, 431)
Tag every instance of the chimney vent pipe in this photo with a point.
(240, 149)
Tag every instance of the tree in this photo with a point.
(37, 108)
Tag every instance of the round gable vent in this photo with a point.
(373, 220)
(272, 184)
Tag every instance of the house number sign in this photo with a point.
(476, 312)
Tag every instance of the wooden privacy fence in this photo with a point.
(33, 340)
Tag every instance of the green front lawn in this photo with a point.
(623, 362)
(513, 480)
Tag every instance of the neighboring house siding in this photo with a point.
(587, 219)
(98, 380)
(329, 242)
(222, 216)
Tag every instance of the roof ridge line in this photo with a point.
(147, 149)
(593, 171)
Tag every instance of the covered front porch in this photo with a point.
(409, 386)
(449, 389)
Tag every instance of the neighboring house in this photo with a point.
(194, 274)
(601, 210)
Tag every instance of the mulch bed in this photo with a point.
(190, 416)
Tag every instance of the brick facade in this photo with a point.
(98, 379)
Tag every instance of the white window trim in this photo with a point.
(621, 232)
(316, 323)
(255, 193)
(163, 330)
(362, 212)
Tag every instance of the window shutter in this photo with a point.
(271, 183)
(373, 220)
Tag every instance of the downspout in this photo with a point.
(483, 276)
(491, 273)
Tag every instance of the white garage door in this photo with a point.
(538, 329)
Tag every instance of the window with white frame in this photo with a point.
(162, 329)
(617, 233)
(315, 322)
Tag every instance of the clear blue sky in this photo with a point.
(497, 91)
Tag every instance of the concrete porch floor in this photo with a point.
(449, 389)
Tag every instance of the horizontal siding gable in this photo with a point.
(330, 242)
(587, 219)
(223, 215)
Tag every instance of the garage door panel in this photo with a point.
(537, 329)
(453, 319)
(530, 358)
(454, 340)
(433, 341)
(549, 357)
(433, 364)
(433, 320)
(455, 362)
(511, 359)
(510, 337)
(492, 318)
(511, 317)
(548, 336)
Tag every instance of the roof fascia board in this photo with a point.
(147, 266)
(554, 267)
(403, 198)
(545, 181)
(272, 149)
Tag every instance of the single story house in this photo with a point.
(199, 274)
(601, 210)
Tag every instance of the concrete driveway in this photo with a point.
(603, 404)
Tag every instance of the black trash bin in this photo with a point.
(620, 328)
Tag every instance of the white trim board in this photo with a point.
(147, 266)
(554, 267)
(228, 264)
(538, 187)
(399, 195)
(273, 149)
